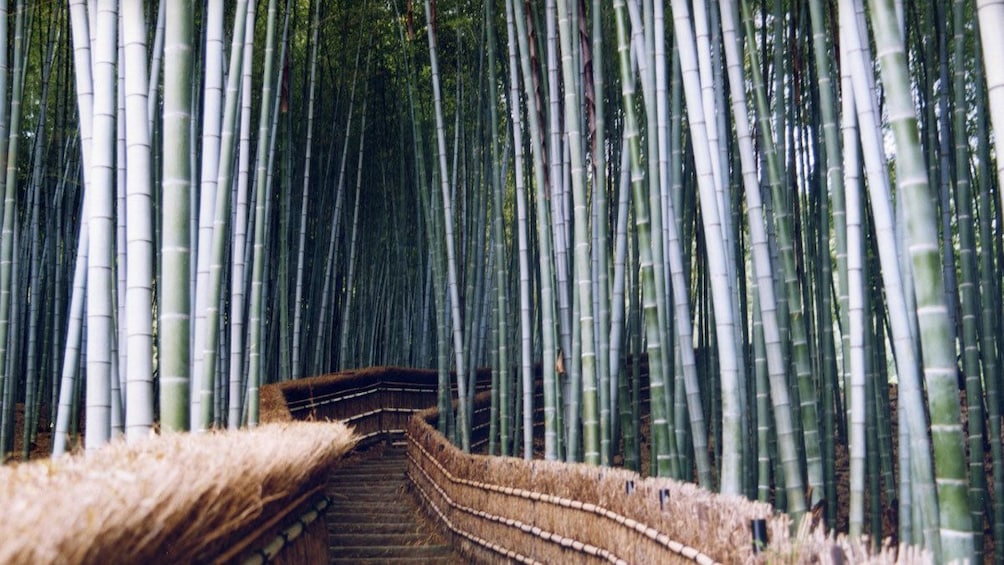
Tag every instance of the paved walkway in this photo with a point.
(374, 519)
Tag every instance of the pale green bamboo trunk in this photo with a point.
(522, 236)
(221, 224)
(100, 286)
(298, 305)
(501, 364)
(255, 338)
(991, 12)
(765, 282)
(241, 249)
(451, 255)
(208, 163)
(660, 431)
(969, 295)
(543, 255)
(350, 281)
(917, 494)
(139, 230)
(729, 343)
(82, 73)
(642, 40)
(938, 351)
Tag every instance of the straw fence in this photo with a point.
(376, 402)
(505, 510)
(228, 497)
(513, 510)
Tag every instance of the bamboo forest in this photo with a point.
(752, 244)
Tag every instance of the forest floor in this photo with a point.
(41, 446)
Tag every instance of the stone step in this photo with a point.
(377, 528)
(423, 560)
(374, 519)
(385, 467)
(390, 551)
(360, 539)
(374, 478)
(372, 512)
(370, 495)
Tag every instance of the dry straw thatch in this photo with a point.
(500, 509)
(814, 546)
(175, 498)
(272, 405)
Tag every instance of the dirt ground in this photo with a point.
(41, 447)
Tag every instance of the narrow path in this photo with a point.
(374, 519)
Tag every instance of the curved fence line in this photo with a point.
(553, 511)
(533, 511)
(566, 542)
(620, 520)
(376, 402)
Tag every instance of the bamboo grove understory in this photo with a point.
(759, 239)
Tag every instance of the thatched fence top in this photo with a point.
(376, 401)
(175, 498)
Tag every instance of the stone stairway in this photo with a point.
(374, 519)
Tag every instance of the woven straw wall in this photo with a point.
(506, 509)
